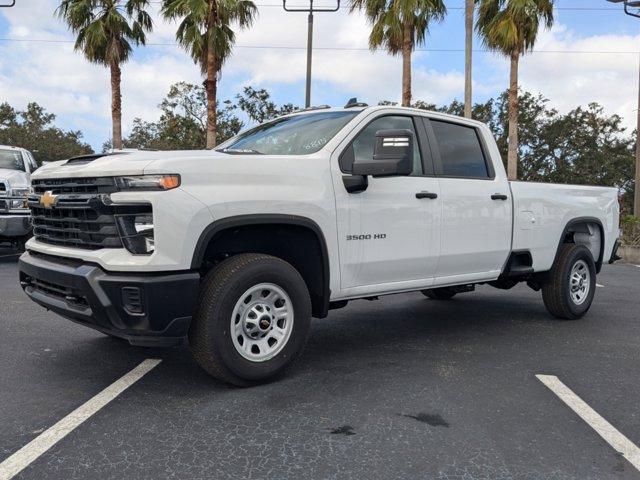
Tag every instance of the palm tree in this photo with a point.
(468, 48)
(511, 28)
(205, 32)
(105, 31)
(398, 26)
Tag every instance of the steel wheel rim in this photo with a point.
(579, 282)
(261, 322)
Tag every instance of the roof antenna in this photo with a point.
(353, 102)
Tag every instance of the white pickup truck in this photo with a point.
(235, 249)
(16, 166)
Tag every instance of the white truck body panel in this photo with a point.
(461, 237)
(541, 212)
(14, 221)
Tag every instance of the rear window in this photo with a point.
(11, 160)
(460, 150)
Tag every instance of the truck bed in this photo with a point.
(542, 210)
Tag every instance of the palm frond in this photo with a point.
(512, 26)
(106, 30)
(202, 30)
(388, 18)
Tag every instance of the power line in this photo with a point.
(345, 49)
(583, 9)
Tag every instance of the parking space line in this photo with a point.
(607, 431)
(47, 439)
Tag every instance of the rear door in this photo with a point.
(388, 235)
(476, 204)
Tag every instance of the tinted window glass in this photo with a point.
(460, 150)
(11, 160)
(296, 135)
(364, 143)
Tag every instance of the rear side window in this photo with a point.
(461, 154)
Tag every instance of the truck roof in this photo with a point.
(372, 108)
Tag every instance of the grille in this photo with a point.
(82, 216)
(58, 186)
(71, 297)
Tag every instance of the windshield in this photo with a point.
(11, 160)
(296, 135)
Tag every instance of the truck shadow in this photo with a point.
(388, 337)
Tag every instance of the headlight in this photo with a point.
(23, 193)
(20, 192)
(148, 182)
(136, 231)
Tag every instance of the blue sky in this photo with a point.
(78, 93)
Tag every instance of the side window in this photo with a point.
(461, 154)
(362, 146)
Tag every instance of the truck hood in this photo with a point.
(129, 163)
(14, 178)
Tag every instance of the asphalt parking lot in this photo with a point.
(405, 387)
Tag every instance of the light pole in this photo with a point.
(310, 10)
(632, 8)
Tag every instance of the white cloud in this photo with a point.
(65, 83)
(570, 80)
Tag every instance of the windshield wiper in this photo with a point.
(240, 151)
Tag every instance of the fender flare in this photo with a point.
(227, 223)
(575, 221)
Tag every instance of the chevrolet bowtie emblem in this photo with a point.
(48, 199)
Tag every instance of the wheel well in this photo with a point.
(300, 245)
(587, 232)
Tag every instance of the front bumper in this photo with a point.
(145, 309)
(15, 225)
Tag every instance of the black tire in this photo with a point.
(210, 338)
(444, 293)
(556, 292)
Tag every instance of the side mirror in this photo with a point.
(392, 155)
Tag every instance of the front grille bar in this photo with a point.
(81, 217)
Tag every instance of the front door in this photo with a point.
(388, 235)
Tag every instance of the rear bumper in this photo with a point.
(145, 309)
(15, 225)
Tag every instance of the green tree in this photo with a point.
(205, 32)
(183, 122)
(33, 129)
(511, 28)
(105, 31)
(258, 106)
(399, 26)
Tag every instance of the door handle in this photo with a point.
(426, 195)
(499, 196)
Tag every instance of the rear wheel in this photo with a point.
(444, 293)
(569, 291)
(252, 321)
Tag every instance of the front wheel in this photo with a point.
(252, 320)
(569, 291)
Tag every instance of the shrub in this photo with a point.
(630, 230)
